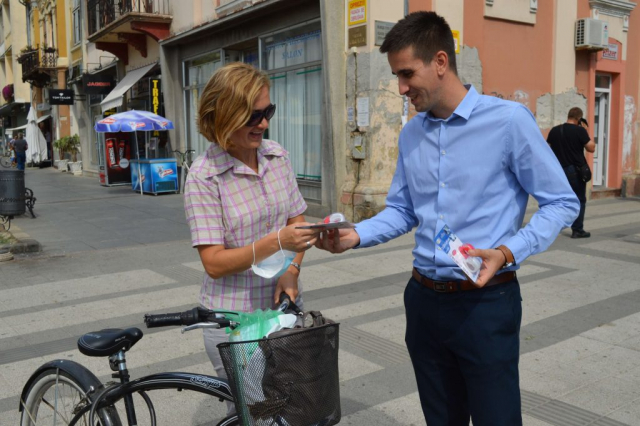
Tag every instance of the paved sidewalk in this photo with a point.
(110, 255)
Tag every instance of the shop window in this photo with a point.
(197, 73)
(293, 61)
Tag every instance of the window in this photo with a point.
(293, 60)
(77, 24)
(197, 73)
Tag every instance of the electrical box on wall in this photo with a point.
(358, 151)
(591, 34)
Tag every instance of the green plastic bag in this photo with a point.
(248, 357)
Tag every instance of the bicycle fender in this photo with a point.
(78, 371)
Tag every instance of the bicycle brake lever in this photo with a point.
(199, 325)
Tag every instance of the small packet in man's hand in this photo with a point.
(458, 251)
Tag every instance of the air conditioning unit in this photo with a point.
(591, 34)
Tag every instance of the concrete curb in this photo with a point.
(16, 246)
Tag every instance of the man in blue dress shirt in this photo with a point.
(469, 161)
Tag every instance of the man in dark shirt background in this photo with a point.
(20, 147)
(568, 141)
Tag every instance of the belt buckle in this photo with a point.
(441, 286)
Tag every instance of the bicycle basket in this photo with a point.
(288, 380)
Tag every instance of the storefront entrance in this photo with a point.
(602, 114)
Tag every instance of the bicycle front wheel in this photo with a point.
(55, 396)
(5, 162)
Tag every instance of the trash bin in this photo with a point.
(12, 193)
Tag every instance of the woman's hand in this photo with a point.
(295, 239)
(287, 283)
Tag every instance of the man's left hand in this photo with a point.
(492, 261)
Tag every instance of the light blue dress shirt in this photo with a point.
(474, 171)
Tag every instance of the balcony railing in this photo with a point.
(35, 63)
(104, 12)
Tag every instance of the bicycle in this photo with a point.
(185, 162)
(67, 392)
(7, 161)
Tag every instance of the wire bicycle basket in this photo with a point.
(290, 379)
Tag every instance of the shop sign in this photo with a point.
(611, 52)
(155, 85)
(61, 97)
(97, 84)
(357, 36)
(109, 112)
(357, 12)
(382, 29)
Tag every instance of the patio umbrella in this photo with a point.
(37, 144)
(134, 121)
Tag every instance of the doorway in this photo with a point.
(602, 112)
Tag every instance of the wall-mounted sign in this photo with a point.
(43, 107)
(357, 12)
(611, 52)
(155, 85)
(95, 84)
(456, 39)
(382, 28)
(358, 36)
(60, 97)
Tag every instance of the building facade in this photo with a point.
(338, 108)
(15, 100)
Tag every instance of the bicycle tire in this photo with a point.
(55, 388)
(5, 162)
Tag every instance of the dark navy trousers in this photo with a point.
(465, 348)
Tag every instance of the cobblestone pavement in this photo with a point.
(110, 256)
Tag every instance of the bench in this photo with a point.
(29, 201)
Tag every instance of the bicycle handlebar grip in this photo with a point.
(178, 318)
(287, 304)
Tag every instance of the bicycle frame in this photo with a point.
(208, 385)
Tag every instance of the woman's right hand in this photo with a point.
(295, 239)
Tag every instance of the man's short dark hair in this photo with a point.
(575, 113)
(427, 33)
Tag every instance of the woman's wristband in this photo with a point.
(296, 265)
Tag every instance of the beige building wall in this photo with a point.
(564, 53)
(15, 38)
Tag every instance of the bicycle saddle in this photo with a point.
(108, 341)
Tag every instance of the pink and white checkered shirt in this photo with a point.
(227, 203)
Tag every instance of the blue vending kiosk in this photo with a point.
(158, 175)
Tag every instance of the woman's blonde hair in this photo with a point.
(227, 101)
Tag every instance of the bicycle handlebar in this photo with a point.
(190, 317)
(201, 315)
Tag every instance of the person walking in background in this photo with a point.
(468, 161)
(568, 142)
(242, 203)
(20, 147)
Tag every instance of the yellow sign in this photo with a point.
(456, 39)
(357, 12)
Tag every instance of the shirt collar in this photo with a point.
(219, 160)
(464, 108)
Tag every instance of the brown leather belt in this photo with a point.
(460, 285)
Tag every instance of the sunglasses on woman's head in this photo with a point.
(257, 116)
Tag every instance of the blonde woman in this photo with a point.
(242, 202)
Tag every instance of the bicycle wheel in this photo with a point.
(55, 396)
(5, 162)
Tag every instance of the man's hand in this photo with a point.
(492, 261)
(287, 283)
(338, 240)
